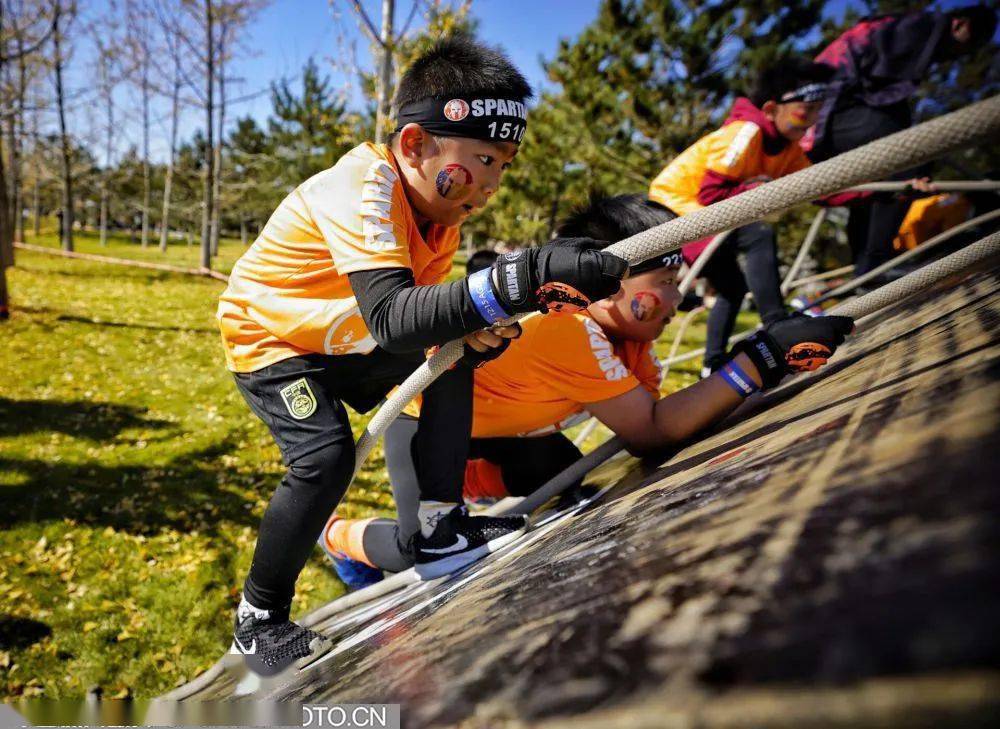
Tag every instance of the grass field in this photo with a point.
(133, 476)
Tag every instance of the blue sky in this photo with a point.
(289, 32)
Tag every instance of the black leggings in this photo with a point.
(872, 225)
(525, 465)
(756, 242)
(301, 400)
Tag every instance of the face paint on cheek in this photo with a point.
(799, 120)
(453, 182)
(645, 306)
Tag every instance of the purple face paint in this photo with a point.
(453, 182)
(645, 306)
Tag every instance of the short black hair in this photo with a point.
(787, 75)
(480, 260)
(612, 219)
(982, 23)
(460, 66)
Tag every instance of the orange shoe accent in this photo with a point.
(346, 537)
(483, 480)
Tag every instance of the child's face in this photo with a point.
(793, 119)
(961, 31)
(449, 178)
(642, 308)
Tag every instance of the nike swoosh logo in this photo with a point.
(243, 649)
(460, 544)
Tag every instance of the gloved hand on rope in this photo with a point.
(794, 344)
(488, 344)
(563, 275)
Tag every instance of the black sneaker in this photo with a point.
(460, 539)
(269, 642)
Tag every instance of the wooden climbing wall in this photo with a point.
(831, 558)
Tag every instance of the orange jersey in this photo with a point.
(289, 294)
(930, 216)
(735, 152)
(545, 379)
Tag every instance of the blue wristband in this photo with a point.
(483, 297)
(736, 378)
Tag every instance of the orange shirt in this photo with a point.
(545, 379)
(289, 294)
(930, 216)
(736, 151)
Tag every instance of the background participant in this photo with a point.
(878, 65)
(757, 143)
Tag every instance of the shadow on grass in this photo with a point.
(79, 418)
(21, 632)
(132, 325)
(78, 271)
(184, 494)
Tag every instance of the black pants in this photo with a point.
(756, 243)
(301, 400)
(872, 225)
(525, 465)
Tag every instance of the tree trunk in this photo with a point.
(10, 188)
(106, 172)
(385, 71)
(217, 181)
(243, 231)
(145, 142)
(67, 172)
(168, 183)
(207, 178)
(6, 245)
(4, 296)
(36, 204)
(6, 226)
(17, 146)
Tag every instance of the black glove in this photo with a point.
(475, 359)
(795, 344)
(563, 275)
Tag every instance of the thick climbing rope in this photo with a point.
(908, 148)
(861, 307)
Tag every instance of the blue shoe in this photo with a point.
(354, 574)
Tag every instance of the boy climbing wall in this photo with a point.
(339, 296)
(757, 143)
(598, 361)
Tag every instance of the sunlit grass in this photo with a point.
(121, 245)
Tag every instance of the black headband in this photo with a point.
(669, 260)
(808, 93)
(487, 118)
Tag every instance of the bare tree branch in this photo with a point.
(29, 49)
(367, 25)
